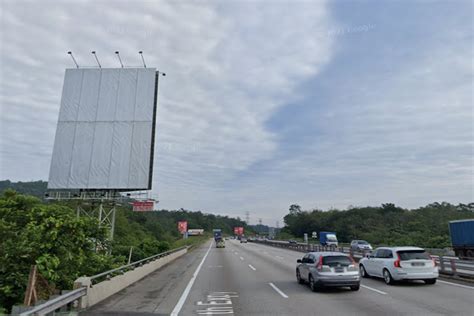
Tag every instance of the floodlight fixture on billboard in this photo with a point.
(105, 132)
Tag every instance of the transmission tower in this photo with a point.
(247, 217)
(259, 221)
(277, 224)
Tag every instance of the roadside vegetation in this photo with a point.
(65, 247)
(384, 225)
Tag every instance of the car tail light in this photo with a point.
(352, 259)
(352, 267)
(396, 264)
(320, 267)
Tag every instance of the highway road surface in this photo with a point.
(255, 279)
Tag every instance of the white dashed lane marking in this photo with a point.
(252, 267)
(278, 290)
(372, 289)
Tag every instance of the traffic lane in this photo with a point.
(227, 284)
(414, 297)
(300, 298)
(461, 295)
(445, 298)
(453, 295)
(157, 293)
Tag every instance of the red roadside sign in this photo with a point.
(143, 206)
(182, 227)
(238, 231)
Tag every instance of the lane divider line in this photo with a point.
(372, 289)
(241, 258)
(252, 267)
(278, 290)
(185, 294)
(455, 284)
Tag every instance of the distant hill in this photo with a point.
(35, 188)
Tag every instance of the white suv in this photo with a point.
(399, 263)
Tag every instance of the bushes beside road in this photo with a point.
(65, 247)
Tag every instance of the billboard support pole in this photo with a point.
(112, 226)
(105, 215)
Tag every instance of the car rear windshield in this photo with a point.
(362, 242)
(333, 261)
(413, 255)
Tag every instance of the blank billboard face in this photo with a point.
(104, 138)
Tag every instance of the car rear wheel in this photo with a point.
(387, 277)
(355, 287)
(312, 284)
(298, 277)
(363, 272)
(430, 281)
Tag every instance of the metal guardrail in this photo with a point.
(447, 265)
(56, 303)
(69, 298)
(455, 266)
(120, 270)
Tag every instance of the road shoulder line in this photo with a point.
(185, 294)
(456, 284)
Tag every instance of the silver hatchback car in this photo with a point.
(328, 269)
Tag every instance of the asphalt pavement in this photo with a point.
(255, 279)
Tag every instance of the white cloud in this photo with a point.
(228, 69)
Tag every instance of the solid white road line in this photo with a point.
(455, 284)
(241, 258)
(252, 267)
(278, 290)
(185, 294)
(372, 289)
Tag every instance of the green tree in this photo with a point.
(62, 246)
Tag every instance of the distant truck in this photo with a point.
(195, 232)
(217, 234)
(328, 239)
(462, 238)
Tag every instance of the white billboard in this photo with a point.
(105, 132)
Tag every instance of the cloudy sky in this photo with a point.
(265, 103)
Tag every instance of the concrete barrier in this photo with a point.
(100, 291)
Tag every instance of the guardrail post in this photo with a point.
(453, 267)
(82, 282)
(441, 263)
